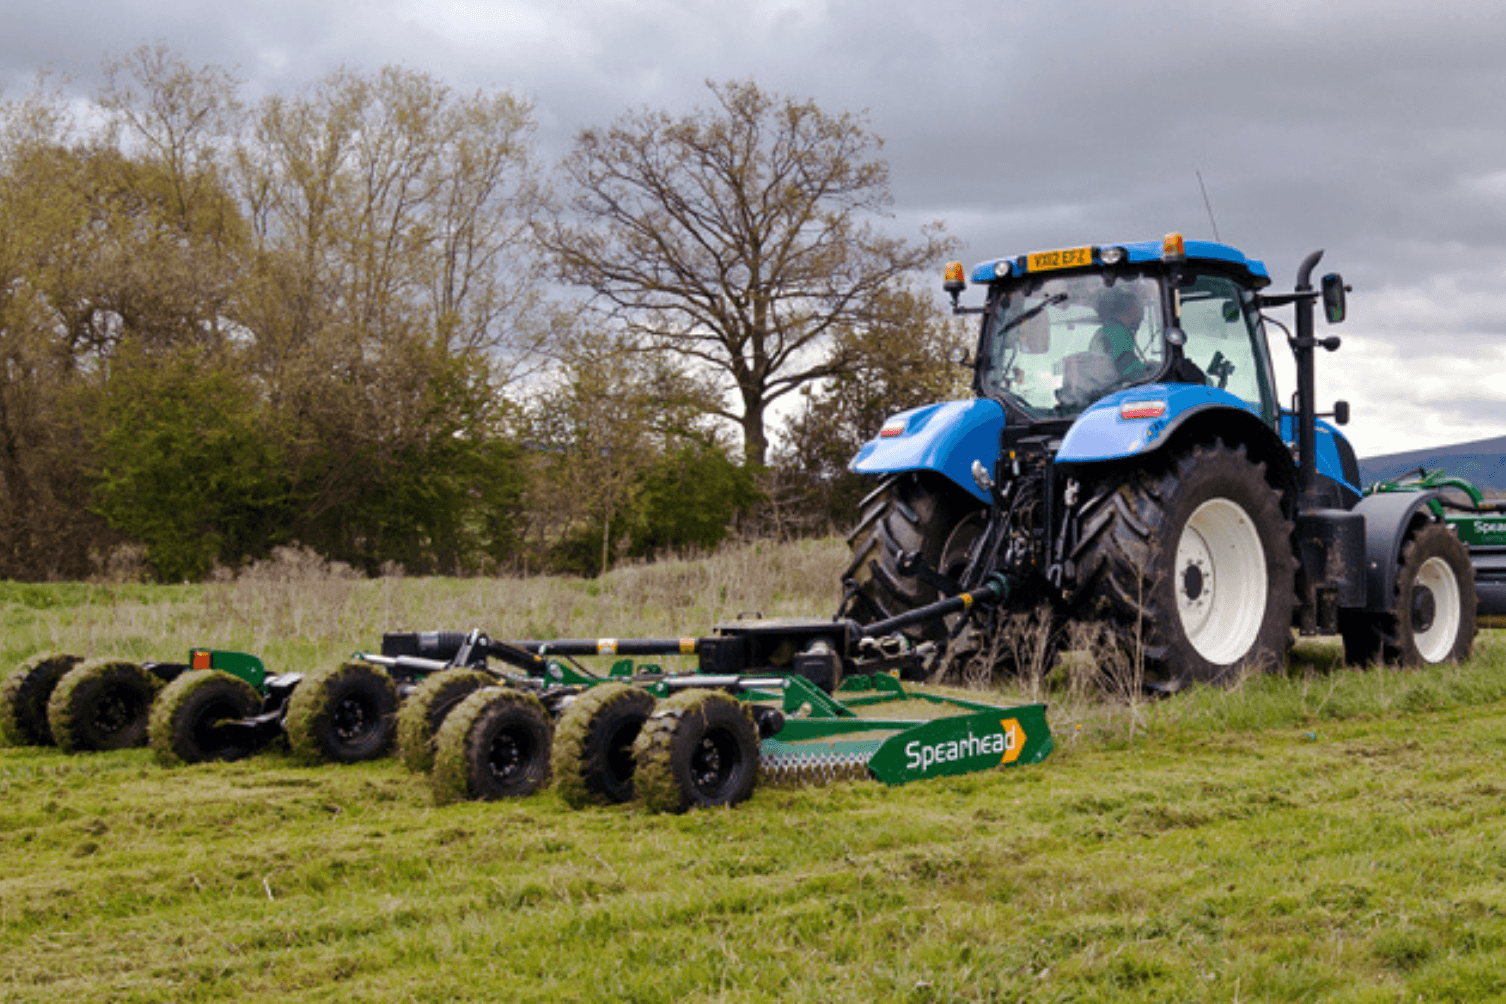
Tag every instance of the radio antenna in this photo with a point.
(1207, 204)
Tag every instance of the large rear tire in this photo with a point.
(1193, 565)
(1434, 620)
(593, 745)
(186, 718)
(345, 715)
(24, 697)
(102, 705)
(495, 745)
(698, 749)
(905, 513)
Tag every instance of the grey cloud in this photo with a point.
(1371, 129)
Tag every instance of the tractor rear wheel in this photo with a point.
(1435, 607)
(494, 745)
(1193, 566)
(346, 715)
(698, 749)
(593, 744)
(24, 696)
(425, 710)
(186, 718)
(102, 705)
(905, 513)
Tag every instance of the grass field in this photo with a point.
(1326, 834)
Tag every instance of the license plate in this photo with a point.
(1044, 261)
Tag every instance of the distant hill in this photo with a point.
(1482, 462)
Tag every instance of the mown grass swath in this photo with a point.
(1321, 833)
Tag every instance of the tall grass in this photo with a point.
(298, 611)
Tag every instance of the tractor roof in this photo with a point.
(1132, 254)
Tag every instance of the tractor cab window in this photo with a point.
(1053, 345)
(1225, 341)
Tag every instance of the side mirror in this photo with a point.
(1334, 307)
(1341, 412)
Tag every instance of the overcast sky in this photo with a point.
(1372, 130)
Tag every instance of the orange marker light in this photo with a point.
(201, 659)
(954, 273)
(1173, 248)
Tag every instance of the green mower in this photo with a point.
(785, 701)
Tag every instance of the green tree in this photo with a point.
(688, 498)
(185, 464)
(597, 435)
(739, 236)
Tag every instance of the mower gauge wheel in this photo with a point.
(494, 745)
(593, 744)
(187, 717)
(698, 749)
(426, 709)
(24, 697)
(346, 715)
(102, 705)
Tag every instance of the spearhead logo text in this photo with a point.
(1005, 745)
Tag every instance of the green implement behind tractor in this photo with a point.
(790, 701)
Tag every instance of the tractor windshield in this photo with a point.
(1053, 345)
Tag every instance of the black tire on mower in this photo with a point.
(102, 704)
(1435, 607)
(346, 715)
(593, 744)
(1192, 564)
(426, 709)
(906, 512)
(495, 745)
(24, 697)
(186, 715)
(698, 749)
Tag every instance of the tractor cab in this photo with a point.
(1062, 329)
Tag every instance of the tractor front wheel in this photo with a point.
(698, 749)
(1192, 564)
(906, 513)
(187, 717)
(1434, 620)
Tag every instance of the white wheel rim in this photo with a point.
(1437, 642)
(1220, 581)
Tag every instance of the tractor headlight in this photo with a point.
(1111, 256)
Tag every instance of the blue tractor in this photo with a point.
(1127, 459)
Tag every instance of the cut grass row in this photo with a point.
(1361, 861)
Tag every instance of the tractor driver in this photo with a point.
(1120, 312)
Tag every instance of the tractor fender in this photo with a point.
(1389, 518)
(1139, 421)
(945, 438)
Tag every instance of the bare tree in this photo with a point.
(740, 236)
(395, 209)
(184, 116)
